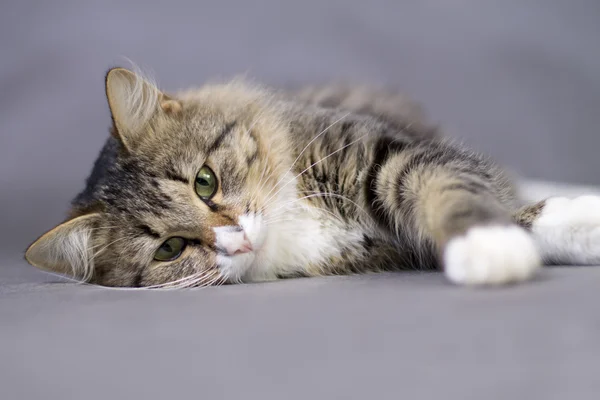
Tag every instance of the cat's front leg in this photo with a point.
(437, 197)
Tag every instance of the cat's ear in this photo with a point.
(66, 249)
(134, 101)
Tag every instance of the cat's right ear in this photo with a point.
(134, 102)
(66, 249)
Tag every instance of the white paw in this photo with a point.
(491, 255)
(568, 230)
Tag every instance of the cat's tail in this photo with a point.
(566, 231)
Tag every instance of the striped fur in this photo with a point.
(320, 182)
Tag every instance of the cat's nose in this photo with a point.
(232, 240)
(244, 247)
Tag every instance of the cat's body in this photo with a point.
(316, 182)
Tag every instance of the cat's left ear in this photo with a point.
(66, 249)
(134, 102)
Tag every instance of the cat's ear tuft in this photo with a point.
(133, 101)
(66, 249)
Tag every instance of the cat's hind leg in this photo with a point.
(566, 231)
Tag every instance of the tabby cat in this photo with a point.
(234, 183)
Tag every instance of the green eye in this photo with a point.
(170, 249)
(206, 183)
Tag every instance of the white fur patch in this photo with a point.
(568, 230)
(307, 237)
(290, 237)
(491, 255)
(304, 237)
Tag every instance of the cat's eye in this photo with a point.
(206, 183)
(170, 249)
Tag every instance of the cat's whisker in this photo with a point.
(215, 282)
(195, 279)
(320, 209)
(175, 282)
(102, 227)
(282, 214)
(192, 280)
(291, 218)
(304, 149)
(182, 283)
(209, 280)
(276, 221)
(67, 278)
(315, 163)
(200, 281)
(326, 194)
(105, 247)
(287, 206)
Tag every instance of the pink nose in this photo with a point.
(232, 240)
(238, 244)
(244, 247)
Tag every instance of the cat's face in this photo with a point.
(185, 193)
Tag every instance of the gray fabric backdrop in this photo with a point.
(518, 79)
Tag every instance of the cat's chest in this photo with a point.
(306, 241)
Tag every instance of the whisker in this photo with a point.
(327, 194)
(304, 149)
(105, 247)
(177, 281)
(208, 281)
(194, 280)
(102, 227)
(315, 163)
(207, 277)
(68, 278)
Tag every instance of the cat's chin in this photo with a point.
(234, 268)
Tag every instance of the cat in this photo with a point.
(233, 183)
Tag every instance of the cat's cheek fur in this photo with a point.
(491, 255)
(568, 230)
(233, 268)
(302, 243)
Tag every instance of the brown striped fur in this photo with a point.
(377, 170)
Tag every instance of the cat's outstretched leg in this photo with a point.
(455, 202)
(566, 231)
(478, 243)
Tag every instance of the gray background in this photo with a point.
(517, 79)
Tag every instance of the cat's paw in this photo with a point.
(568, 230)
(491, 255)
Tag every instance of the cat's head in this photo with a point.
(181, 193)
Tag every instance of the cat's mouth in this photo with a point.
(239, 247)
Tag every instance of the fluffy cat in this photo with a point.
(235, 183)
